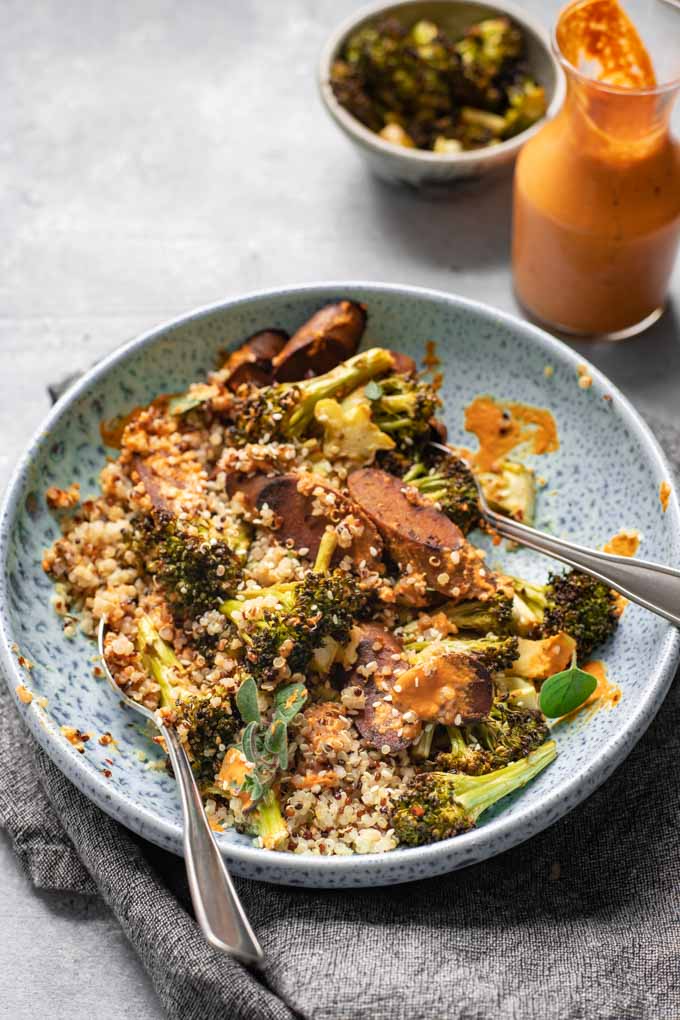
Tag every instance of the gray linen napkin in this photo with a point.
(579, 923)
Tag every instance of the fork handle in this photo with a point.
(651, 585)
(217, 906)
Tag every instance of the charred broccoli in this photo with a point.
(496, 654)
(438, 805)
(412, 86)
(323, 606)
(403, 406)
(209, 722)
(506, 735)
(490, 616)
(285, 411)
(195, 569)
(448, 481)
(572, 602)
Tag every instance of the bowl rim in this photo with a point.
(370, 139)
(448, 855)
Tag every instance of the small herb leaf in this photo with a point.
(184, 403)
(563, 692)
(246, 701)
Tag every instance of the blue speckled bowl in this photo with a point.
(606, 475)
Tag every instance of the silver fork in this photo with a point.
(651, 585)
(219, 911)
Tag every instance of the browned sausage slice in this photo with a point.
(329, 337)
(295, 501)
(403, 363)
(251, 362)
(420, 538)
(378, 723)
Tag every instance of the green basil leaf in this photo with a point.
(373, 390)
(246, 701)
(288, 701)
(563, 692)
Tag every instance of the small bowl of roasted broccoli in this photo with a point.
(432, 93)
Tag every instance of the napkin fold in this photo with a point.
(578, 923)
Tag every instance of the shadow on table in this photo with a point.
(465, 228)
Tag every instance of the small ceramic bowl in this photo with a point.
(418, 167)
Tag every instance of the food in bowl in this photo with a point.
(285, 565)
(422, 88)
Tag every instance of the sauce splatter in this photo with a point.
(599, 39)
(431, 359)
(625, 543)
(664, 495)
(500, 426)
(24, 695)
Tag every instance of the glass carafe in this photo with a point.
(597, 204)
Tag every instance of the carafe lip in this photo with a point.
(620, 90)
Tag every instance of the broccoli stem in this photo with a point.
(268, 823)
(422, 747)
(476, 794)
(327, 547)
(159, 659)
(343, 379)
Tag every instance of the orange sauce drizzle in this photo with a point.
(598, 38)
(625, 543)
(431, 359)
(500, 426)
(664, 495)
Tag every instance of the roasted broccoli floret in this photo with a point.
(159, 659)
(490, 616)
(403, 406)
(285, 411)
(438, 805)
(323, 606)
(447, 481)
(527, 105)
(507, 734)
(209, 722)
(195, 569)
(573, 602)
(496, 654)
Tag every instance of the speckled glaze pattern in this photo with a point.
(605, 475)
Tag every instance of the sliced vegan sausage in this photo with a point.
(445, 687)
(418, 537)
(329, 337)
(378, 723)
(295, 500)
(403, 363)
(252, 361)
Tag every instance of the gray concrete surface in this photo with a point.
(156, 156)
